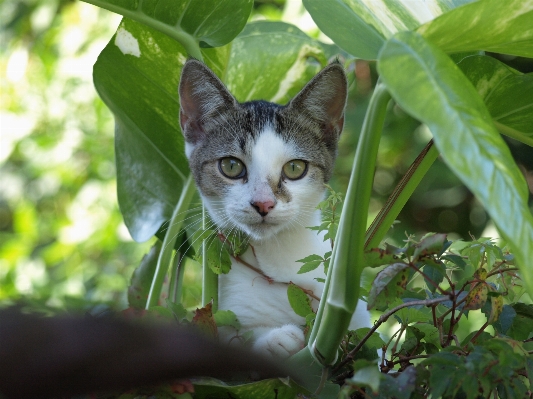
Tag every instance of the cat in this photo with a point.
(262, 168)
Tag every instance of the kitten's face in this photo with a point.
(261, 167)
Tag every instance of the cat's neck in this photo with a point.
(277, 256)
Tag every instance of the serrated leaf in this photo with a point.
(374, 341)
(411, 315)
(205, 322)
(218, 257)
(431, 333)
(388, 285)
(477, 296)
(378, 257)
(178, 310)
(438, 94)
(495, 309)
(505, 321)
(310, 262)
(430, 245)
(299, 300)
(226, 318)
(455, 259)
(522, 327)
(369, 376)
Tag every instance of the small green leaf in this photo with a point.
(430, 245)
(388, 285)
(368, 376)
(299, 300)
(218, 257)
(495, 309)
(310, 262)
(179, 311)
(378, 257)
(226, 318)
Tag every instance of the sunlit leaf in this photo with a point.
(490, 25)
(141, 91)
(508, 94)
(438, 94)
(272, 61)
(361, 26)
(214, 22)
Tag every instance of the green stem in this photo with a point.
(514, 134)
(191, 45)
(347, 265)
(209, 278)
(169, 241)
(176, 278)
(402, 192)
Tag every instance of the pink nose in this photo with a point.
(263, 207)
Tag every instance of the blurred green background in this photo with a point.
(63, 243)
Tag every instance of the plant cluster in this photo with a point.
(433, 65)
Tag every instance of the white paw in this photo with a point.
(281, 342)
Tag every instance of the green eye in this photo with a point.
(295, 169)
(232, 168)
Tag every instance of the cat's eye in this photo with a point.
(232, 168)
(295, 169)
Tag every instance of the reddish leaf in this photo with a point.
(203, 319)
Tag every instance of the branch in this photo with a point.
(383, 318)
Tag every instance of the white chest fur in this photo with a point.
(261, 304)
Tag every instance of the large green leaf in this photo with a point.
(361, 26)
(138, 81)
(213, 22)
(490, 25)
(508, 94)
(272, 61)
(438, 94)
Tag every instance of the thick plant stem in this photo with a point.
(402, 192)
(176, 278)
(209, 278)
(346, 266)
(173, 230)
(190, 43)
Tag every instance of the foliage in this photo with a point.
(434, 66)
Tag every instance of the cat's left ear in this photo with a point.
(324, 98)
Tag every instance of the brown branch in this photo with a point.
(383, 318)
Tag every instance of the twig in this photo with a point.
(383, 318)
(408, 358)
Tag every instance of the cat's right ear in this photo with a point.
(203, 97)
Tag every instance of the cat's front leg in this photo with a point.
(280, 342)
